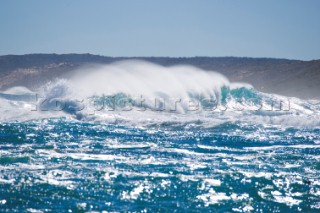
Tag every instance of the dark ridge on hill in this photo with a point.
(282, 76)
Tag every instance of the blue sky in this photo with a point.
(271, 28)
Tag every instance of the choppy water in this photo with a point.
(151, 160)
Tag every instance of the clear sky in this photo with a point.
(270, 28)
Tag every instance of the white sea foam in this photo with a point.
(213, 197)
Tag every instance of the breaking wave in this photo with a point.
(141, 92)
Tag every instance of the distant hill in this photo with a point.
(286, 77)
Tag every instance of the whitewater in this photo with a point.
(138, 137)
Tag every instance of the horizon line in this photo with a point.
(196, 56)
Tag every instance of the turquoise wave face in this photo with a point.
(63, 165)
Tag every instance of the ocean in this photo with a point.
(138, 137)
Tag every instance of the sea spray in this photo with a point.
(140, 92)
